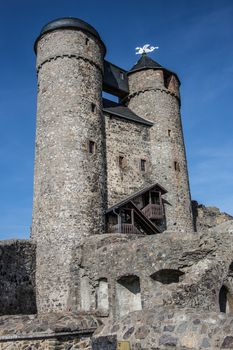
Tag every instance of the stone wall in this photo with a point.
(69, 181)
(151, 99)
(207, 217)
(131, 141)
(167, 328)
(184, 312)
(162, 269)
(47, 332)
(17, 277)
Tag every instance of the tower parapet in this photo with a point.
(154, 95)
(69, 180)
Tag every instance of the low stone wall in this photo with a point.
(69, 342)
(17, 277)
(168, 328)
(162, 269)
(47, 332)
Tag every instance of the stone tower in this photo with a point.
(154, 95)
(69, 180)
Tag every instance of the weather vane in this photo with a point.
(145, 49)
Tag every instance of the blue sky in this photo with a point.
(195, 40)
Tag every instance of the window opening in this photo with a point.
(102, 296)
(92, 147)
(176, 166)
(93, 107)
(121, 161)
(122, 76)
(143, 165)
(128, 294)
(167, 276)
(155, 197)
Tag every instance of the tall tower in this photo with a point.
(154, 95)
(69, 180)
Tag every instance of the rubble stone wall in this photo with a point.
(150, 99)
(17, 277)
(168, 328)
(168, 269)
(57, 343)
(69, 180)
(47, 331)
(132, 142)
(207, 217)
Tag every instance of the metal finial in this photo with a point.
(145, 49)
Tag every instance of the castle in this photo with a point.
(113, 240)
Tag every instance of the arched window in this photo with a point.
(167, 276)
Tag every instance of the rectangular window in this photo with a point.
(169, 132)
(176, 166)
(122, 76)
(92, 147)
(121, 162)
(93, 107)
(143, 165)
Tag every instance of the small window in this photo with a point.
(169, 132)
(87, 41)
(92, 147)
(168, 276)
(122, 76)
(121, 162)
(176, 166)
(93, 107)
(143, 165)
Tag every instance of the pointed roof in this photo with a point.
(145, 62)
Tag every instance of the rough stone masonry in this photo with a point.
(118, 257)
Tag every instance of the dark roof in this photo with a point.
(145, 62)
(135, 195)
(121, 111)
(115, 80)
(68, 22)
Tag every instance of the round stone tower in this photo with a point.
(154, 95)
(69, 180)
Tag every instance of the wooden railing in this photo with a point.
(125, 228)
(153, 211)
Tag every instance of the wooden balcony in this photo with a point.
(126, 228)
(153, 211)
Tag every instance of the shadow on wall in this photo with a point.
(167, 276)
(17, 280)
(128, 295)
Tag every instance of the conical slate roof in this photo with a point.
(145, 62)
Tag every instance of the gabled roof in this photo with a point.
(145, 62)
(124, 112)
(135, 195)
